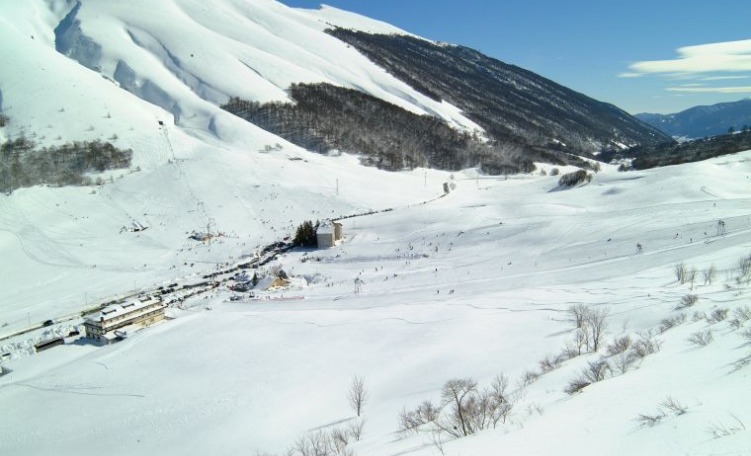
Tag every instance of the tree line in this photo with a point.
(323, 117)
(674, 153)
(22, 164)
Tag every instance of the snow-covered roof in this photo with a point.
(116, 310)
(326, 227)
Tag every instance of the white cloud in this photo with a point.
(707, 89)
(711, 64)
(722, 78)
(729, 56)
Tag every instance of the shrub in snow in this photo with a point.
(668, 323)
(574, 178)
(650, 420)
(669, 405)
(332, 443)
(410, 421)
(619, 345)
(688, 301)
(701, 338)
(744, 269)
(622, 362)
(717, 315)
(734, 425)
(594, 372)
(529, 377)
(577, 384)
(740, 316)
(742, 313)
(548, 364)
(465, 409)
(673, 406)
(645, 345)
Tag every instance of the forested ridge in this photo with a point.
(323, 117)
(525, 117)
(512, 104)
(674, 153)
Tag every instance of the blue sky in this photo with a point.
(643, 56)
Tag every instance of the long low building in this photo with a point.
(103, 325)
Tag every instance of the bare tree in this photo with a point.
(437, 439)
(499, 403)
(596, 324)
(464, 409)
(578, 314)
(458, 393)
(691, 277)
(357, 396)
(680, 270)
(411, 421)
(581, 338)
(355, 429)
(709, 274)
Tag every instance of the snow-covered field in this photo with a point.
(470, 285)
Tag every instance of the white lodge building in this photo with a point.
(115, 320)
(329, 233)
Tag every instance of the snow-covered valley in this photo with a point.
(471, 284)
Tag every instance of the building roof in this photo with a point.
(115, 310)
(326, 227)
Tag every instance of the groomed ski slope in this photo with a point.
(471, 285)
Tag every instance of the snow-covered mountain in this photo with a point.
(426, 287)
(188, 58)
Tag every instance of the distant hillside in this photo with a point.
(510, 103)
(674, 153)
(702, 121)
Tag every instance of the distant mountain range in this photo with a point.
(702, 121)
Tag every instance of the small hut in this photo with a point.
(329, 233)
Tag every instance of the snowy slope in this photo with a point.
(71, 235)
(472, 284)
(187, 56)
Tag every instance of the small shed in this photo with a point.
(329, 233)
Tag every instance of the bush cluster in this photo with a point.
(574, 178)
(465, 408)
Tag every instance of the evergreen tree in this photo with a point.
(305, 235)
